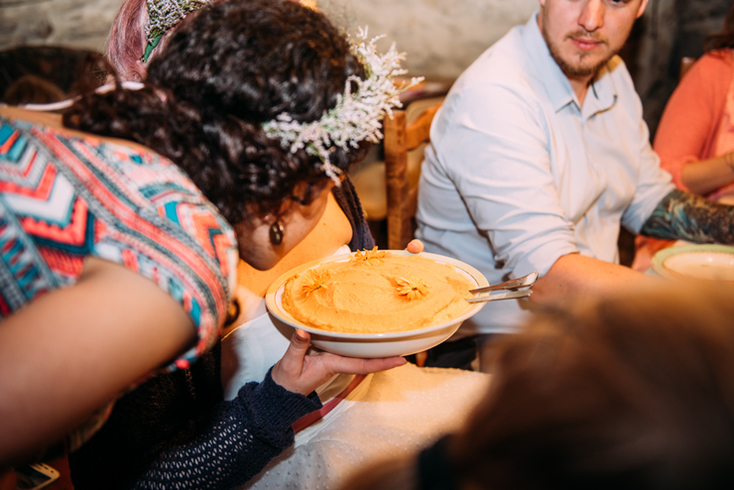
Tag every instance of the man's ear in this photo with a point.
(640, 10)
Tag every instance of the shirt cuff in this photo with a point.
(273, 409)
(542, 258)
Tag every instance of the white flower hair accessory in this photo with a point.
(358, 113)
(163, 15)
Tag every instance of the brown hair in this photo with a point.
(633, 391)
(724, 39)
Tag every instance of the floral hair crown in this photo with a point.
(358, 113)
(163, 15)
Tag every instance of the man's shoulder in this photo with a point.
(617, 71)
(501, 88)
(505, 59)
(498, 92)
(504, 66)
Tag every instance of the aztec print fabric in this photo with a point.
(63, 198)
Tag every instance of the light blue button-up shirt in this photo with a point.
(519, 173)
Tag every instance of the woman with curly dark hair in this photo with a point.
(133, 43)
(352, 427)
(92, 224)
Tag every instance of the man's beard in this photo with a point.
(579, 70)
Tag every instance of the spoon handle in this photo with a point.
(520, 282)
(496, 297)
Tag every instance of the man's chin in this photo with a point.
(580, 69)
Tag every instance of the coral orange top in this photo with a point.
(696, 124)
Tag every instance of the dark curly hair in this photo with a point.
(226, 70)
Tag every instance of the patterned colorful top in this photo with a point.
(63, 198)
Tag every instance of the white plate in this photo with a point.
(374, 345)
(701, 262)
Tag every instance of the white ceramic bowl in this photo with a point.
(380, 344)
(698, 262)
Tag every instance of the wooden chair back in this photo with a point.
(402, 198)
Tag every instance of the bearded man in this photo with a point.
(538, 155)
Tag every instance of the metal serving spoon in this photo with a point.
(496, 297)
(520, 282)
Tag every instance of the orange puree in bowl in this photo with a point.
(377, 292)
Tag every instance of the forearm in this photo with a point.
(67, 354)
(706, 176)
(243, 436)
(681, 215)
(574, 275)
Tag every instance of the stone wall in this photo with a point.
(441, 37)
(71, 23)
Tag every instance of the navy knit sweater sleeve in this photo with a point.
(244, 435)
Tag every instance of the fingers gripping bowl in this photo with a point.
(377, 338)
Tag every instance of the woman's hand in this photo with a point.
(301, 372)
(415, 246)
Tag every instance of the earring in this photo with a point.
(276, 233)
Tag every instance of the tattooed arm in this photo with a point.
(680, 215)
(684, 216)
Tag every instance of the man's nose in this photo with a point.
(592, 14)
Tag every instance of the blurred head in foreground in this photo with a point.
(634, 391)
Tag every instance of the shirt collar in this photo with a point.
(602, 93)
